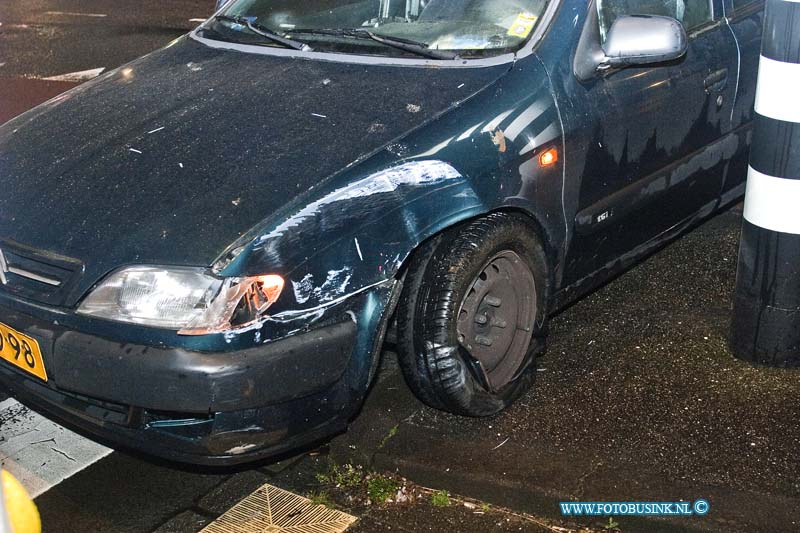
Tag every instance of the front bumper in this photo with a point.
(202, 408)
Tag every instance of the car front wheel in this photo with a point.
(470, 321)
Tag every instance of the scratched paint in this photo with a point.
(334, 285)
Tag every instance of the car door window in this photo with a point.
(691, 13)
(738, 5)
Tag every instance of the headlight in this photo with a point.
(189, 300)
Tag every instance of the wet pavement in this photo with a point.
(42, 38)
(46, 38)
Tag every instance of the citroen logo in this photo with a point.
(3, 269)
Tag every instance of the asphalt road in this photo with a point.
(41, 38)
(638, 396)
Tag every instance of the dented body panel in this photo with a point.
(331, 174)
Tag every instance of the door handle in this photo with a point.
(717, 81)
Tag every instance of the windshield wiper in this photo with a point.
(265, 32)
(415, 47)
(218, 35)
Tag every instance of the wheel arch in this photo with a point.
(523, 212)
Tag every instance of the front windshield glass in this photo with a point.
(466, 27)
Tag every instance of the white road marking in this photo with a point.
(78, 77)
(74, 14)
(771, 202)
(197, 20)
(40, 453)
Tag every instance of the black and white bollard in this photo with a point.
(766, 314)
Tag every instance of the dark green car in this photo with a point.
(203, 252)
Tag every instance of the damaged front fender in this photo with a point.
(340, 255)
(355, 237)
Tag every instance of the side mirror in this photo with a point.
(644, 39)
(632, 40)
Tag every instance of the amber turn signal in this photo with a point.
(271, 287)
(548, 158)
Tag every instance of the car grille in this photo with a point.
(35, 275)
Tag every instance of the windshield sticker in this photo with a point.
(523, 25)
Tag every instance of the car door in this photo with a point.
(657, 149)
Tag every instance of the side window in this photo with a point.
(738, 5)
(691, 13)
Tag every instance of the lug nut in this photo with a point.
(493, 301)
(483, 340)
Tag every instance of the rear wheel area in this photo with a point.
(471, 318)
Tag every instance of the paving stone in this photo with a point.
(276, 468)
(185, 522)
(232, 491)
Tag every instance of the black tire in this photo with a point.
(463, 289)
(415, 368)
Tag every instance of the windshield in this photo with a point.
(465, 27)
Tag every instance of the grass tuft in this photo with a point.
(440, 498)
(346, 476)
(381, 488)
(321, 498)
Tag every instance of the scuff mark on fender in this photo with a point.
(335, 285)
(386, 181)
(499, 140)
(238, 450)
(289, 316)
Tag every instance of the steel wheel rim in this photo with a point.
(495, 318)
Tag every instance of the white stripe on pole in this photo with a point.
(776, 96)
(772, 203)
(40, 453)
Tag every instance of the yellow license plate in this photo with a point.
(21, 351)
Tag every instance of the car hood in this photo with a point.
(171, 158)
